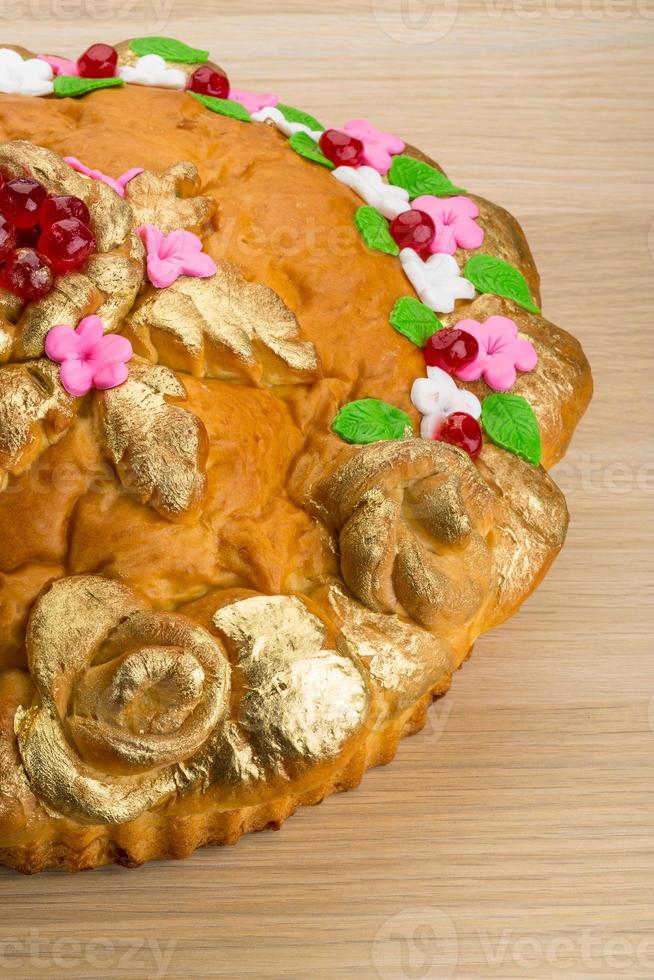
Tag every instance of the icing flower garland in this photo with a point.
(174, 255)
(118, 185)
(253, 101)
(368, 184)
(151, 69)
(19, 76)
(501, 352)
(286, 126)
(88, 357)
(438, 281)
(60, 66)
(450, 414)
(437, 396)
(375, 148)
(454, 221)
(430, 217)
(378, 147)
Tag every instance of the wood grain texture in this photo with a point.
(514, 837)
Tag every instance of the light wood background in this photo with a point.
(514, 837)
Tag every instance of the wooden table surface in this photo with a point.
(514, 837)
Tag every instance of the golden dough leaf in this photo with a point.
(35, 411)
(224, 327)
(170, 200)
(159, 449)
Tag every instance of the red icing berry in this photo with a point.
(98, 61)
(27, 274)
(7, 238)
(450, 349)
(462, 430)
(341, 149)
(205, 80)
(58, 208)
(21, 199)
(27, 237)
(67, 244)
(413, 229)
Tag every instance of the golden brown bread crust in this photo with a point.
(388, 560)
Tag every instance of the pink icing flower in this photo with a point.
(253, 101)
(118, 185)
(60, 66)
(88, 357)
(174, 255)
(501, 352)
(454, 218)
(378, 147)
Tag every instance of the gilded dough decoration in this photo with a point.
(102, 664)
(109, 284)
(35, 411)
(260, 699)
(131, 705)
(411, 519)
(170, 200)
(299, 702)
(405, 662)
(223, 327)
(159, 448)
(421, 531)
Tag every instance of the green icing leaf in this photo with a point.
(370, 420)
(415, 320)
(489, 274)
(510, 422)
(293, 115)
(307, 147)
(226, 107)
(70, 86)
(419, 178)
(374, 230)
(170, 49)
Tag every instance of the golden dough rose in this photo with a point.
(126, 701)
(134, 705)
(411, 519)
(423, 531)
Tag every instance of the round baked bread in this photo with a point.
(233, 581)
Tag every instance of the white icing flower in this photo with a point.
(151, 69)
(437, 396)
(368, 184)
(438, 281)
(19, 77)
(282, 123)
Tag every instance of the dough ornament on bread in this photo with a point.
(277, 404)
